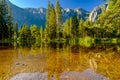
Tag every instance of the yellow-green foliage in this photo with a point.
(87, 41)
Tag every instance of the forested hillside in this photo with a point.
(73, 29)
(110, 20)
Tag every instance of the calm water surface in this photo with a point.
(105, 61)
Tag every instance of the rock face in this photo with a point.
(88, 74)
(96, 11)
(81, 13)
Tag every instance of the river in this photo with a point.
(55, 63)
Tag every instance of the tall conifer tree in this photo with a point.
(52, 23)
(58, 18)
(3, 18)
(6, 21)
(75, 27)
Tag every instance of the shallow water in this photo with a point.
(88, 74)
(56, 61)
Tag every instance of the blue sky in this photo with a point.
(85, 4)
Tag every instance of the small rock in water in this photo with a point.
(30, 76)
(20, 64)
(17, 64)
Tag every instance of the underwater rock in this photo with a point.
(88, 74)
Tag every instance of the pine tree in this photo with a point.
(70, 26)
(10, 23)
(39, 37)
(15, 30)
(67, 29)
(24, 33)
(50, 31)
(34, 32)
(41, 33)
(58, 18)
(48, 11)
(75, 27)
(52, 23)
(47, 29)
(3, 18)
(6, 21)
(81, 28)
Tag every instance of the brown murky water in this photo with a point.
(55, 61)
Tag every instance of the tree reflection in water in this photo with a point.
(56, 58)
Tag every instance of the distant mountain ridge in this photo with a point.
(37, 16)
(24, 16)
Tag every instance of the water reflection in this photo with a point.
(6, 63)
(56, 58)
(6, 45)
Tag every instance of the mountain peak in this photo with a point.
(68, 9)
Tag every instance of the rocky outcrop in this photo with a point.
(96, 11)
(88, 74)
